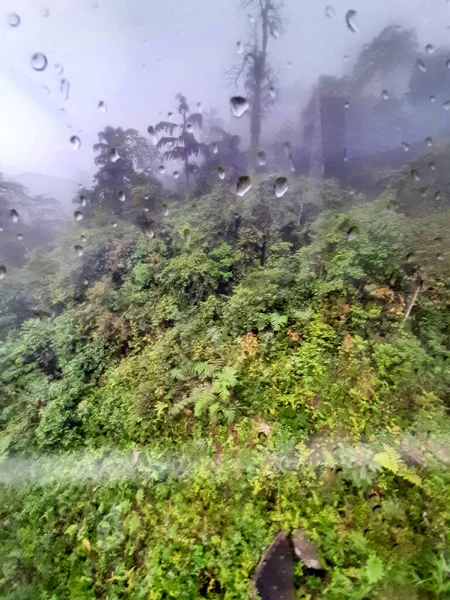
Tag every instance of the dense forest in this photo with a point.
(222, 346)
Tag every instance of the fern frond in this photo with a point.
(410, 475)
(389, 459)
(328, 459)
(221, 390)
(277, 321)
(214, 408)
(202, 403)
(229, 413)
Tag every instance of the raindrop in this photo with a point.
(347, 104)
(385, 95)
(437, 195)
(429, 140)
(78, 215)
(392, 206)
(345, 57)
(251, 18)
(190, 127)
(405, 146)
(45, 12)
(281, 186)
(447, 63)
(199, 107)
(352, 234)
(101, 106)
(176, 174)
(122, 196)
(415, 174)
(261, 158)
(432, 166)
(221, 172)
(13, 20)
(345, 155)
(19, 237)
(83, 238)
(291, 162)
(162, 169)
(114, 155)
(165, 210)
(83, 201)
(86, 282)
(438, 240)
(14, 215)
(187, 236)
(59, 69)
(351, 20)
(239, 48)
(446, 105)
(78, 250)
(76, 142)
(2, 271)
(352, 191)
(45, 89)
(429, 49)
(114, 225)
(421, 65)
(152, 134)
(432, 98)
(329, 12)
(243, 185)
(64, 87)
(239, 105)
(439, 257)
(275, 32)
(170, 113)
(149, 233)
(272, 92)
(38, 61)
(215, 148)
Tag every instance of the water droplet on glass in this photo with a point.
(437, 195)
(446, 105)
(76, 142)
(38, 61)
(152, 134)
(447, 63)
(243, 185)
(59, 69)
(149, 233)
(261, 156)
(429, 49)
(176, 174)
(345, 57)
(64, 87)
(291, 162)
(86, 282)
(281, 186)
(272, 92)
(14, 215)
(215, 148)
(438, 240)
(351, 20)
(190, 127)
(165, 210)
(329, 12)
(352, 234)
(221, 172)
(83, 239)
(347, 104)
(429, 140)
(13, 20)
(345, 155)
(352, 191)
(122, 196)
(170, 113)
(432, 166)
(114, 225)
(199, 106)
(439, 257)
(415, 174)
(421, 65)
(162, 169)
(239, 105)
(432, 98)
(78, 215)
(405, 146)
(45, 12)
(114, 155)
(251, 18)
(275, 32)
(101, 106)
(2, 271)
(19, 237)
(385, 95)
(239, 48)
(45, 89)
(78, 250)
(392, 206)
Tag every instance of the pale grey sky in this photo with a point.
(135, 55)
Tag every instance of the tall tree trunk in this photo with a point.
(258, 74)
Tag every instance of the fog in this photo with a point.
(136, 56)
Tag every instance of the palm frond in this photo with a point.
(166, 141)
(166, 126)
(196, 119)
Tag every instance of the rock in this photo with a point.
(274, 577)
(305, 550)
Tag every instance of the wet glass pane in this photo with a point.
(224, 300)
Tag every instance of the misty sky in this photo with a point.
(135, 55)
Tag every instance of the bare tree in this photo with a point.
(265, 22)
